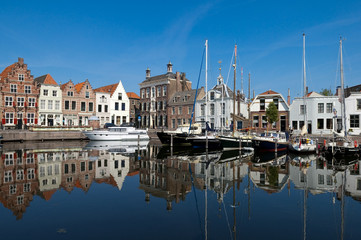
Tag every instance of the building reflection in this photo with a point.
(28, 172)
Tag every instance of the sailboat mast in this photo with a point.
(304, 79)
(206, 100)
(343, 107)
(234, 91)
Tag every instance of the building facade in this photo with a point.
(322, 114)
(19, 95)
(118, 103)
(78, 103)
(258, 111)
(50, 99)
(353, 112)
(134, 110)
(155, 93)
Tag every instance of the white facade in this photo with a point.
(319, 114)
(50, 170)
(102, 100)
(217, 116)
(119, 105)
(353, 112)
(50, 105)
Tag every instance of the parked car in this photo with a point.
(109, 125)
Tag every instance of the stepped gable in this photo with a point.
(48, 194)
(66, 84)
(132, 95)
(162, 77)
(46, 79)
(107, 89)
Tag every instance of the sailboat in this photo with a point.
(236, 141)
(205, 141)
(341, 145)
(303, 144)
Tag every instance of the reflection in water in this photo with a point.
(169, 176)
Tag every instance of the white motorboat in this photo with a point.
(117, 134)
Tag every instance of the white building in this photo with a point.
(49, 168)
(50, 100)
(353, 111)
(321, 113)
(112, 104)
(220, 107)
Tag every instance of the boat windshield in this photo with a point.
(269, 134)
(117, 129)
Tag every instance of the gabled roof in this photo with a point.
(79, 86)
(132, 95)
(162, 77)
(314, 94)
(65, 84)
(48, 194)
(6, 71)
(269, 92)
(228, 92)
(46, 79)
(107, 89)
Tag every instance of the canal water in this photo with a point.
(80, 190)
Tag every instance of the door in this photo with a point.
(283, 123)
(309, 127)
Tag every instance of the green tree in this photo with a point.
(326, 92)
(272, 113)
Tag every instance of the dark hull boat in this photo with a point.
(201, 142)
(178, 139)
(270, 141)
(229, 143)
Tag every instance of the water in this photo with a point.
(73, 191)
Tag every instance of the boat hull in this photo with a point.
(115, 136)
(178, 139)
(213, 143)
(304, 149)
(233, 143)
(269, 146)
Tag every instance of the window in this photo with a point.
(164, 104)
(202, 110)
(86, 94)
(8, 176)
(12, 189)
(173, 123)
(321, 179)
(164, 90)
(211, 96)
(45, 92)
(30, 173)
(57, 105)
(255, 121)
(262, 106)
(105, 108)
(99, 108)
(21, 77)
(82, 106)
(123, 106)
(31, 117)
(147, 95)
(173, 110)
(294, 125)
(70, 94)
(82, 166)
(329, 123)
(66, 105)
(354, 121)
(31, 102)
(275, 100)
(321, 108)
(302, 110)
(8, 101)
(20, 101)
(179, 110)
(212, 109)
(301, 123)
(320, 123)
(189, 110)
(55, 93)
(13, 88)
(91, 107)
(158, 91)
(87, 86)
(9, 118)
(328, 107)
(153, 106)
(142, 93)
(73, 105)
(119, 96)
(153, 91)
(27, 89)
(179, 121)
(26, 187)
(116, 107)
(264, 121)
(50, 104)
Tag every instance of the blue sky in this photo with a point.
(108, 41)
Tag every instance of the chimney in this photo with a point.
(169, 67)
(147, 73)
(289, 98)
(306, 90)
(253, 94)
(21, 60)
(177, 81)
(183, 76)
(338, 91)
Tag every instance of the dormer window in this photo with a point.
(119, 96)
(21, 77)
(87, 86)
(211, 96)
(86, 94)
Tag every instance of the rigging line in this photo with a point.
(195, 196)
(337, 69)
(229, 226)
(195, 97)
(230, 67)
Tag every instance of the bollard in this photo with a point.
(171, 140)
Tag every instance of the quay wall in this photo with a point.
(25, 135)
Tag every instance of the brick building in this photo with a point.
(155, 93)
(19, 95)
(78, 103)
(134, 110)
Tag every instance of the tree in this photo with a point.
(272, 113)
(326, 92)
